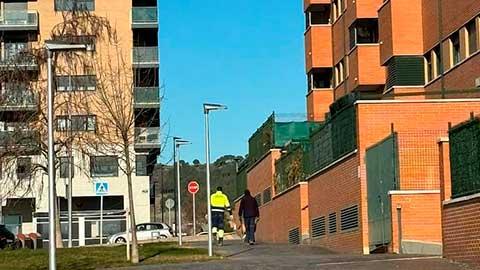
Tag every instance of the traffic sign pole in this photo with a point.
(194, 219)
(101, 219)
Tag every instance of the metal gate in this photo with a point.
(381, 162)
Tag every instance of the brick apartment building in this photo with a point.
(385, 80)
(24, 28)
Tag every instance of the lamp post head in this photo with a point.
(179, 142)
(53, 45)
(207, 107)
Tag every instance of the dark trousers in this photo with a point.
(250, 228)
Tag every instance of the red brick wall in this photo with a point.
(318, 104)
(331, 191)
(420, 216)
(445, 176)
(461, 231)
(260, 176)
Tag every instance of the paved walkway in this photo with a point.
(280, 257)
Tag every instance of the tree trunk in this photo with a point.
(133, 227)
(58, 227)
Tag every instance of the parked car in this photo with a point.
(145, 232)
(7, 238)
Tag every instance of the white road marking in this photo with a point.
(383, 260)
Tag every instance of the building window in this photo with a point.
(472, 37)
(141, 165)
(77, 123)
(104, 166)
(76, 83)
(337, 8)
(339, 73)
(349, 218)
(332, 223)
(455, 49)
(363, 31)
(71, 5)
(65, 165)
(317, 15)
(429, 66)
(437, 60)
(258, 198)
(24, 168)
(320, 78)
(267, 195)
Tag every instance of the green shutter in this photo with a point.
(405, 71)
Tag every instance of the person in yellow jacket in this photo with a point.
(220, 204)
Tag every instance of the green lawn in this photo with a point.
(98, 257)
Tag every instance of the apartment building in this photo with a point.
(385, 81)
(24, 27)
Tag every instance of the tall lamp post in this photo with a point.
(207, 107)
(179, 142)
(52, 47)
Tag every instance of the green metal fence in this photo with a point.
(292, 167)
(465, 158)
(275, 134)
(334, 139)
(241, 181)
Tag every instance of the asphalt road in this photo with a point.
(279, 257)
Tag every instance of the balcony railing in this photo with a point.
(15, 55)
(145, 55)
(18, 138)
(147, 137)
(146, 97)
(144, 17)
(19, 20)
(18, 99)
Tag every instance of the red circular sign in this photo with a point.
(193, 187)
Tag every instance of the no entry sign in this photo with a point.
(193, 187)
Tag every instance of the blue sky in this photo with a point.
(246, 54)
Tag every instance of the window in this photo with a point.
(104, 166)
(64, 165)
(320, 78)
(24, 167)
(318, 227)
(332, 223)
(437, 57)
(363, 31)
(76, 83)
(71, 5)
(339, 73)
(317, 15)
(77, 123)
(349, 218)
(430, 71)
(267, 195)
(472, 37)
(455, 49)
(258, 198)
(337, 7)
(141, 165)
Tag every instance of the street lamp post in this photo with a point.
(51, 47)
(179, 142)
(207, 107)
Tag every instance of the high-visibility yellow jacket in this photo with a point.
(219, 202)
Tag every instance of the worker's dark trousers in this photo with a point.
(250, 228)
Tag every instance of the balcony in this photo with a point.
(18, 100)
(144, 17)
(365, 71)
(147, 138)
(145, 57)
(19, 20)
(15, 56)
(23, 142)
(147, 97)
(318, 47)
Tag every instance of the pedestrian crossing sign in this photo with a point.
(101, 188)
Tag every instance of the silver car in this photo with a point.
(145, 232)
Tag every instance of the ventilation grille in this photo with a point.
(294, 236)
(318, 227)
(349, 218)
(332, 223)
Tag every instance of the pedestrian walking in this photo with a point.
(220, 204)
(250, 214)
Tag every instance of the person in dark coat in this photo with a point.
(250, 214)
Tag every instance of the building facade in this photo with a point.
(385, 81)
(24, 28)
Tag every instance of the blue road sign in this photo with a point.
(101, 188)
